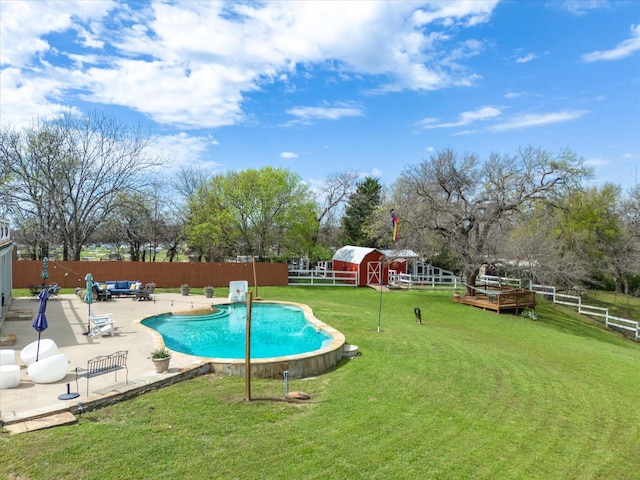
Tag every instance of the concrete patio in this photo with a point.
(67, 318)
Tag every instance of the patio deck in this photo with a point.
(512, 300)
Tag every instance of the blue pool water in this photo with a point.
(276, 330)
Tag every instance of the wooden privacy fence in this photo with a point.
(71, 274)
(576, 301)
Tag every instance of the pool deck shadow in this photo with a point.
(67, 318)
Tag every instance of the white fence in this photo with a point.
(576, 301)
(426, 274)
(323, 277)
(623, 323)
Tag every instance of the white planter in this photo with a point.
(49, 370)
(47, 348)
(9, 376)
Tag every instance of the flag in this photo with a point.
(394, 224)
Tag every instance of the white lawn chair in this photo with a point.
(101, 324)
(238, 290)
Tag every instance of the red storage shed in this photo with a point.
(368, 262)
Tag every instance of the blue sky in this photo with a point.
(325, 86)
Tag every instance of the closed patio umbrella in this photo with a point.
(88, 299)
(40, 323)
(45, 270)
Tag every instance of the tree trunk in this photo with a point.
(472, 275)
(617, 283)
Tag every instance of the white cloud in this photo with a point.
(466, 12)
(596, 162)
(526, 58)
(622, 50)
(184, 150)
(536, 120)
(465, 118)
(288, 155)
(24, 23)
(192, 64)
(326, 112)
(30, 98)
(578, 7)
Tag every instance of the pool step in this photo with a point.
(350, 350)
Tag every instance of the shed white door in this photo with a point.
(374, 273)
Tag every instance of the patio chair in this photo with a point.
(101, 294)
(54, 290)
(238, 290)
(101, 325)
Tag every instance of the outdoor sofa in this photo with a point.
(119, 288)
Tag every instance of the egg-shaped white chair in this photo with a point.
(7, 357)
(50, 369)
(9, 376)
(47, 348)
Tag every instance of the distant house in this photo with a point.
(368, 262)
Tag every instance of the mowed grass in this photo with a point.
(467, 394)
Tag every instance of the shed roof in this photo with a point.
(352, 254)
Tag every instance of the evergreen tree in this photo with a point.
(358, 214)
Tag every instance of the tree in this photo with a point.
(252, 212)
(358, 216)
(535, 252)
(334, 192)
(69, 173)
(630, 211)
(130, 225)
(188, 182)
(27, 193)
(590, 224)
(469, 203)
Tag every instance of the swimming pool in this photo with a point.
(284, 336)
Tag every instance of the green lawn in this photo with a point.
(468, 394)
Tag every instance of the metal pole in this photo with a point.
(247, 351)
(285, 375)
(382, 265)
(380, 309)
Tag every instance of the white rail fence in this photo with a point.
(426, 274)
(322, 274)
(591, 310)
(323, 277)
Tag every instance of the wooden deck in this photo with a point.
(514, 300)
